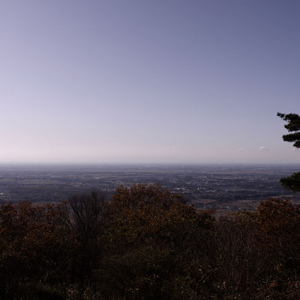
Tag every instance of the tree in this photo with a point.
(34, 249)
(156, 244)
(88, 212)
(293, 125)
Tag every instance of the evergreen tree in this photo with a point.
(293, 126)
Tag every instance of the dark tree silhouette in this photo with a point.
(293, 125)
(87, 218)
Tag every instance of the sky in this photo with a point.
(136, 81)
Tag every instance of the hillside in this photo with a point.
(147, 243)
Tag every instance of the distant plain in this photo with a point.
(221, 187)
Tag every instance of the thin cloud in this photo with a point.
(262, 148)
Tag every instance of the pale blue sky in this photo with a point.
(107, 81)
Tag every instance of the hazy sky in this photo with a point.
(162, 81)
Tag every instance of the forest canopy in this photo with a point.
(147, 243)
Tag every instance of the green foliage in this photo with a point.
(292, 182)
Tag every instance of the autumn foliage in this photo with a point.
(147, 243)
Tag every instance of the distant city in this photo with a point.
(220, 187)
